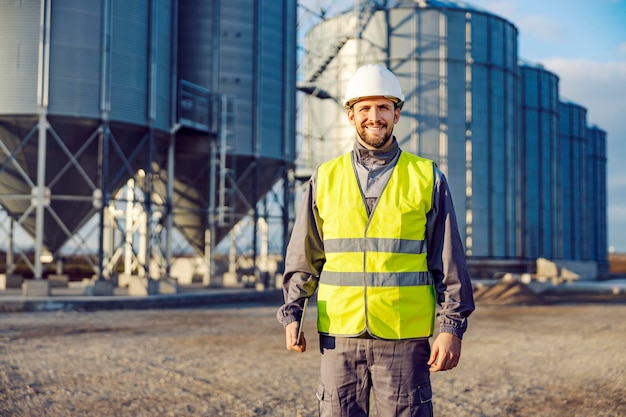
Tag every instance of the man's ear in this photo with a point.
(351, 117)
(396, 115)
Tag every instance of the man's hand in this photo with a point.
(446, 352)
(291, 334)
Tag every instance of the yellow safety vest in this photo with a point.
(376, 275)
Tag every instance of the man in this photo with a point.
(377, 237)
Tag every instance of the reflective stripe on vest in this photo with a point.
(376, 273)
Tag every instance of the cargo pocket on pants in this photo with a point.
(416, 404)
(328, 407)
(422, 401)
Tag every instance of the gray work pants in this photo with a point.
(395, 371)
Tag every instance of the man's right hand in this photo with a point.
(291, 336)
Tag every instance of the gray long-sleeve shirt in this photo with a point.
(446, 259)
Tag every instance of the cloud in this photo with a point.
(598, 86)
(501, 7)
(539, 26)
(543, 28)
(617, 226)
(617, 182)
(618, 214)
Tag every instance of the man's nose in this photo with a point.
(374, 113)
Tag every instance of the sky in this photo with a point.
(584, 44)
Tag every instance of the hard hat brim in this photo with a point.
(348, 105)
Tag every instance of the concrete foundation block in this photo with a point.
(102, 287)
(567, 270)
(547, 268)
(35, 288)
(140, 286)
(123, 280)
(87, 286)
(168, 286)
(58, 280)
(187, 279)
(97, 287)
(229, 279)
(10, 281)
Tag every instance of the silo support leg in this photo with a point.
(39, 287)
(208, 257)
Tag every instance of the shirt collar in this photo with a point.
(369, 157)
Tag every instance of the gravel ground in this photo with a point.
(550, 361)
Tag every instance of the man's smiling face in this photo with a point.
(374, 118)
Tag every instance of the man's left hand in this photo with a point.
(445, 353)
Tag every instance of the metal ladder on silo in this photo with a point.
(226, 181)
(334, 51)
(220, 212)
(364, 12)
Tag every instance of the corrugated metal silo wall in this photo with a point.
(20, 30)
(572, 149)
(100, 68)
(19, 24)
(76, 59)
(244, 49)
(238, 48)
(77, 74)
(597, 196)
(458, 71)
(275, 102)
(537, 157)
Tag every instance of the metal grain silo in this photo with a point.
(573, 213)
(239, 54)
(538, 162)
(597, 197)
(85, 86)
(458, 69)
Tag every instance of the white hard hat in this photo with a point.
(373, 80)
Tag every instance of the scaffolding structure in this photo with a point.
(312, 64)
(134, 223)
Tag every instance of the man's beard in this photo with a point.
(374, 140)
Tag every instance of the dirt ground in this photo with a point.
(550, 361)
